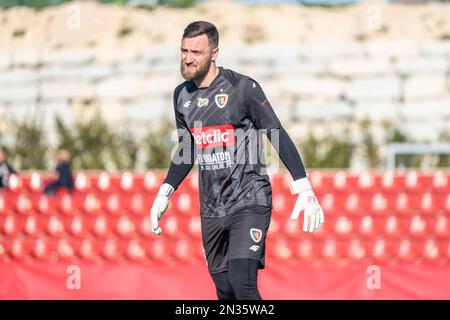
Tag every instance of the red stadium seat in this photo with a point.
(114, 250)
(381, 250)
(65, 250)
(82, 182)
(139, 206)
(91, 204)
(125, 227)
(33, 226)
(103, 182)
(412, 181)
(45, 205)
(428, 203)
(14, 183)
(379, 203)
(367, 227)
(78, 226)
(366, 181)
(442, 227)
(185, 204)
(102, 227)
(66, 204)
(152, 182)
(114, 205)
(356, 250)
(43, 250)
(306, 251)
(35, 182)
(20, 249)
(418, 227)
(395, 227)
(186, 250)
(274, 226)
(171, 227)
(127, 182)
(343, 227)
(340, 180)
(293, 228)
(431, 251)
(440, 182)
(5, 205)
(330, 250)
(55, 227)
(145, 227)
(88, 250)
(159, 251)
(406, 251)
(135, 251)
(194, 227)
(447, 205)
(282, 250)
(317, 182)
(327, 202)
(353, 204)
(23, 204)
(280, 204)
(11, 225)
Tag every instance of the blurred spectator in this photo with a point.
(64, 172)
(6, 170)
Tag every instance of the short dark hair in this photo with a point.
(197, 28)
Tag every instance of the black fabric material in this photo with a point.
(64, 180)
(285, 147)
(239, 282)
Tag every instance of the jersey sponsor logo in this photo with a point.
(213, 136)
(221, 100)
(256, 234)
(202, 102)
(254, 248)
(187, 104)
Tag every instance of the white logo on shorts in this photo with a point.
(254, 247)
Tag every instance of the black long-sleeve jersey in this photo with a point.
(220, 127)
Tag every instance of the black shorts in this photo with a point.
(239, 235)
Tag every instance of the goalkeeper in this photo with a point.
(220, 117)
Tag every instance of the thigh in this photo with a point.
(248, 231)
(215, 244)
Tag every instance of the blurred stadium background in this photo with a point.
(362, 86)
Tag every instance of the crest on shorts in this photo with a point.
(256, 234)
(221, 100)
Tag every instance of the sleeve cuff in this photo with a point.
(166, 190)
(300, 185)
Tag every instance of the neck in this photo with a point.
(208, 78)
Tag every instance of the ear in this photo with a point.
(214, 54)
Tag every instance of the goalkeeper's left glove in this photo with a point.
(306, 201)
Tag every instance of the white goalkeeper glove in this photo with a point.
(307, 202)
(160, 206)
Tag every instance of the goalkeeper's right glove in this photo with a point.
(160, 206)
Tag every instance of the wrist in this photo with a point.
(300, 185)
(165, 190)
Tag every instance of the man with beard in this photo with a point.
(220, 116)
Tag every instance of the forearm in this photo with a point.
(182, 162)
(288, 153)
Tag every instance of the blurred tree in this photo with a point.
(29, 150)
(331, 151)
(158, 146)
(94, 145)
(370, 148)
(177, 3)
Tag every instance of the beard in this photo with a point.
(195, 73)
